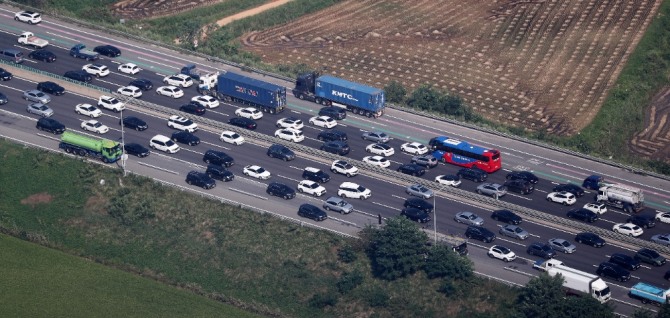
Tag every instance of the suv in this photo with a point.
(331, 135)
(280, 190)
(641, 220)
(519, 186)
(111, 103)
(427, 161)
(506, 216)
(412, 169)
(650, 256)
(583, 215)
(522, 175)
(200, 179)
(565, 198)
(312, 212)
(133, 122)
(415, 214)
(480, 233)
(43, 55)
(142, 83)
(181, 123)
(51, 125)
(541, 249)
(163, 143)
(343, 167)
(353, 190)
(218, 158)
(219, 173)
(315, 175)
(493, 189)
(333, 112)
(81, 76)
(607, 269)
(472, 174)
(280, 152)
(593, 182)
(420, 204)
(185, 138)
(337, 204)
(628, 262)
(337, 147)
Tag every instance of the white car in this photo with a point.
(663, 217)
(414, 148)
(629, 229)
(170, 91)
(257, 172)
(353, 190)
(181, 123)
(380, 149)
(178, 80)
(290, 122)
(206, 101)
(130, 91)
(449, 179)
(311, 187)
(231, 137)
(290, 134)
(111, 103)
(129, 68)
(378, 161)
(595, 207)
(88, 110)
(96, 69)
(249, 112)
(95, 126)
(164, 144)
(29, 17)
(343, 167)
(563, 197)
(502, 253)
(323, 121)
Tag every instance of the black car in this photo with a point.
(43, 55)
(219, 173)
(313, 212)
(412, 169)
(316, 175)
(185, 137)
(200, 179)
(132, 122)
(218, 158)
(480, 233)
(332, 135)
(81, 76)
(337, 147)
(589, 238)
(142, 83)
(650, 256)
(570, 187)
(136, 149)
(519, 186)
(607, 269)
(667, 275)
(107, 50)
(280, 190)
(243, 123)
(472, 174)
(333, 112)
(625, 261)
(4, 75)
(280, 152)
(51, 125)
(583, 215)
(522, 175)
(3, 99)
(415, 214)
(642, 220)
(541, 249)
(506, 216)
(51, 88)
(195, 109)
(420, 204)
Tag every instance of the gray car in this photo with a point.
(663, 239)
(376, 136)
(514, 231)
(419, 191)
(468, 218)
(36, 96)
(562, 245)
(338, 205)
(493, 189)
(427, 161)
(40, 109)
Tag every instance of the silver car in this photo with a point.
(562, 245)
(493, 189)
(338, 205)
(36, 96)
(663, 239)
(514, 231)
(376, 136)
(40, 109)
(419, 191)
(468, 218)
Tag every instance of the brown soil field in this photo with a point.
(542, 65)
(142, 9)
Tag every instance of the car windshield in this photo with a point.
(260, 170)
(43, 107)
(518, 230)
(348, 166)
(313, 185)
(98, 124)
(503, 249)
(341, 203)
(360, 189)
(169, 143)
(234, 136)
(471, 217)
(545, 248)
(565, 243)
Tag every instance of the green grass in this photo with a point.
(40, 282)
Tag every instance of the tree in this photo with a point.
(542, 297)
(664, 312)
(395, 92)
(442, 261)
(642, 313)
(397, 249)
(578, 307)
(424, 98)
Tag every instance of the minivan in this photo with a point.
(12, 55)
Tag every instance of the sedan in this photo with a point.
(88, 110)
(514, 231)
(468, 218)
(185, 137)
(502, 253)
(43, 55)
(130, 91)
(231, 137)
(206, 101)
(376, 136)
(51, 88)
(449, 179)
(249, 112)
(570, 187)
(419, 190)
(629, 229)
(607, 269)
(589, 238)
(290, 122)
(663, 239)
(380, 149)
(323, 121)
(311, 187)
(595, 207)
(420, 204)
(191, 108)
(541, 249)
(565, 198)
(378, 161)
(562, 245)
(243, 122)
(493, 189)
(107, 50)
(506, 216)
(257, 172)
(94, 126)
(427, 161)
(133, 122)
(40, 110)
(583, 215)
(414, 148)
(523, 175)
(663, 217)
(36, 96)
(136, 150)
(129, 68)
(338, 205)
(143, 84)
(170, 91)
(412, 169)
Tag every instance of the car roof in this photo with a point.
(160, 138)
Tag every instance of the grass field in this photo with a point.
(41, 282)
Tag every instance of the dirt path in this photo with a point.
(250, 12)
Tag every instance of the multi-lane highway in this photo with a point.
(387, 196)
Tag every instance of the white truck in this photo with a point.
(627, 198)
(28, 38)
(576, 282)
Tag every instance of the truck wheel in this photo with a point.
(644, 301)
(368, 114)
(272, 111)
(82, 153)
(301, 96)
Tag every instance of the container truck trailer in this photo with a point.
(106, 150)
(230, 86)
(576, 282)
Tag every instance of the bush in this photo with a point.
(321, 300)
(377, 297)
(349, 281)
(347, 254)
(395, 92)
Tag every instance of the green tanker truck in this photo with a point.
(104, 149)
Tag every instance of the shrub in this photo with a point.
(347, 254)
(377, 297)
(321, 300)
(349, 281)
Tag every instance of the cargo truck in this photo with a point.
(650, 294)
(106, 150)
(627, 198)
(576, 282)
(267, 97)
(203, 77)
(80, 51)
(28, 38)
(329, 90)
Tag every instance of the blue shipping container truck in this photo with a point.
(267, 97)
(650, 294)
(329, 90)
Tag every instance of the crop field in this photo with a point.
(541, 65)
(136, 9)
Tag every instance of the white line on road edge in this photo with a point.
(158, 168)
(247, 193)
